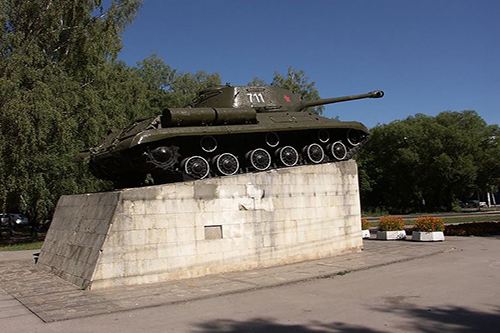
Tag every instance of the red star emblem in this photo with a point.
(287, 98)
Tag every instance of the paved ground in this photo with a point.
(398, 286)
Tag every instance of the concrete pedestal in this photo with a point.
(391, 235)
(430, 236)
(182, 230)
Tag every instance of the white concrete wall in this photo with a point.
(158, 233)
(76, 235)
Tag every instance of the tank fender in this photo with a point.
(207, 116)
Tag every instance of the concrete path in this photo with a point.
(398, 286)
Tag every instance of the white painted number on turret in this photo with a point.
(257, 98)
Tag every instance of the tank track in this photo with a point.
(200, 157)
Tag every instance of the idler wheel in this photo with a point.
(226, 164)
(196, 166)
(272, 139)
(162, 158)
(162, 154)
(314, 153)
(208, 143)
(288, 156)
(259, 159)
(338, 150)
(354, 137)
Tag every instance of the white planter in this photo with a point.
(391, 235)
(428, 236)
(366, 233)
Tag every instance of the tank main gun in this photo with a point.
(302, 105)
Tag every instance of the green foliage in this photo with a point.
(60, 90)
(256, 82)
(167, 87)
(470, 219)
(298, 82)
(426, 163)
(22, 246)
(186, 85)
(473, 229)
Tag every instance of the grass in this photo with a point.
(22, 246)
(382, 212)
(448, 220)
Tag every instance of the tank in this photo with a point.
(224, 131)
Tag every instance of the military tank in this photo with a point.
(227, 130)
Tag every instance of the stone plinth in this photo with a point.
(182, 230)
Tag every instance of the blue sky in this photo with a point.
(428, 55)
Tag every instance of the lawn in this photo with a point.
(35, 245)
(448, 220)
(451, 219)
(22, 240)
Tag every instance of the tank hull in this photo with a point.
(171, 152)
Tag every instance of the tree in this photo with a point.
(427, 163)
(158, 78)
(256, 82)
(185, 87)
(488, 178)
(298, 82)
(58, 94)
(387, 168)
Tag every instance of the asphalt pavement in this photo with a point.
(391, 286)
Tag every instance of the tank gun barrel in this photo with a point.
(305, 104)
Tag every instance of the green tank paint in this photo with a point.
(223, 131)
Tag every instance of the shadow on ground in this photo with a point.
(448, 319)
(268, 325)
(414, 319)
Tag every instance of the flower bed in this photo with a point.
(428, 229)
(365, 224)
(365, 227)
(428, 224)
(391, 228)
(390, 223)
(473, 229)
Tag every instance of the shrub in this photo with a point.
(428, 224)
(473, 229)
(365, 224)
(390, 223)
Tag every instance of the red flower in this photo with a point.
(390, 223)
(365, 224)
(428, 224)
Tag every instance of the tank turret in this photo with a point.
(227, 130)
(265, 98)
